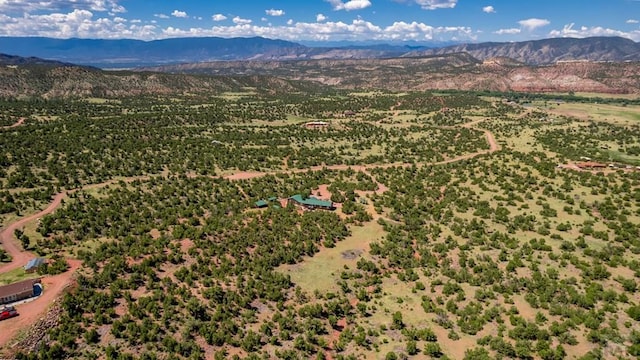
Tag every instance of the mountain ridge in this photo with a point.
(33, 77)
(128, 53)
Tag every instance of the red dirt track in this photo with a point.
(17, 123)
(32, 311)
(55, 285)
(10, 243)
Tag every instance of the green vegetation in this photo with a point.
(438, 247)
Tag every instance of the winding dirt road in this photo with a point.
(54, 285)
(491, 140)
(10, 243)
(16, 124)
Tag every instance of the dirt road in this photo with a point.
(491, 140)
(32, 311)
(16, 124)
(55, 285)
(11, 244)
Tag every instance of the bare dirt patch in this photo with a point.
(53, 287)
(351, 254)
(244, 175)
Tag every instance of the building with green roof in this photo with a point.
(311, 202)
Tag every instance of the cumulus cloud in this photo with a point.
(533, 23)
(433, 4)
(320, 18)
(356, 30)
(349, 5)
(179, 14)
(218, 17)
(489, 9)
(78, 23)
(570, 30)
(632, 21)
(274, 12)
(161, 16)
(26, 6)
(510, 31)
(240, 21)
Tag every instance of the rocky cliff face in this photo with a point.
(548, 51)
(453, 71)
(450, 71)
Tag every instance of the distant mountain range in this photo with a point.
(32, 77)
(134, 53)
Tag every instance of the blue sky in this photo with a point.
(323, 20)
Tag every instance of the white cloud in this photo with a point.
(489, 9)
(510, 31)
(357, 30)
(434, 4)
(78, 23)
(218, 17)
(320, 18)
(632, 21)
(290, 22)
(274, 12)
(584, 31)
(533, 23)
(26, 6)
(240, 21)
(349, 5)
(179, 14)
(86, 24)
(161, 16)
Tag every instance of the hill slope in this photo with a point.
(448, 71)
(40, 78)
(548, 51)
(132, 53)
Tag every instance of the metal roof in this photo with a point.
(34, 263)
(18, 288)
(311, 201)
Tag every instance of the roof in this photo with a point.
(34, 263)
(311, 201)
(261, 203)
(18, 288)
(590, 164)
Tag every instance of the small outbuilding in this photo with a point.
(261, 204)
(316, 125)
(34, 264)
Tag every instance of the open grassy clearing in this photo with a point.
(616, 114)
(322, 271)
(15, 276)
